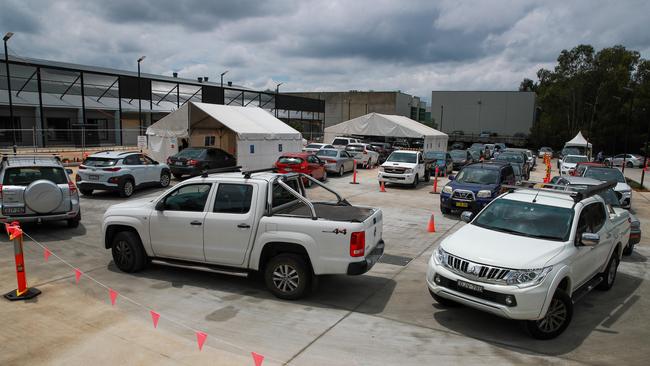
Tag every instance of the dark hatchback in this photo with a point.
(194, 160)
(475, 186)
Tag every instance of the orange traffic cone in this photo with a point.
(382, 187)
(432, 224)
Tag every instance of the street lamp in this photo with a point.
(629, 120)
(222, 74)
(11, 106)
(139, 94)
(645, 149)
(277, 91)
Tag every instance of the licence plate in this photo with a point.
(469, 286)
(288, 169)
(13, 210)
(179, 163)
(462, 204)
(93, 177)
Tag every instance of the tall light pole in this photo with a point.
(222, 74)
(277, 91)
(11, 105)
(629, 121)
(645, 149)
(442, 111)
(139, 94)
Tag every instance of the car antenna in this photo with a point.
(535, 198)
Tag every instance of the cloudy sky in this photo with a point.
(413, 46)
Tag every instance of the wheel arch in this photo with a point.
(274, 248)
(114, 228)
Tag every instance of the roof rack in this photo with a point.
(127, 152)
(230, 169)
(577, 195)
(247, 174)
(30, 157)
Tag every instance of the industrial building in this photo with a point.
(344, 106)
(57, 104)
(504, 114)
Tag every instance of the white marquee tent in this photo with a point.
(387, 125)
(578, 141)
(254, 136)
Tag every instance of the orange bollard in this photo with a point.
(434, 190)
(382, 187)
(354, 173)
(431, 227)
(22, 292)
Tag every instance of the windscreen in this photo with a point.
(402, 157)
(23, 176)
(190, 153)
(575, 159)
(572, 151)
(313, 146)
(330, 153)
(99, 162)
(524, 218)
(478, 176)
(458, 154)
(435, 155)
(605, 174)
(512, 158)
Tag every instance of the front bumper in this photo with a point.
(364, 266)
(475, 206)
(527, 303)
(396, 178)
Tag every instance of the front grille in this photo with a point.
(394, 170)
(476, 271)
(463, 195)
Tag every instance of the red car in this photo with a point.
(580, 167)
(306, 163)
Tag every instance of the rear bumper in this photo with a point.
(364, 266)
(41, 218)
(635, 237)
(185, 170)
(98, 186)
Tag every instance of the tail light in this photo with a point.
(357, 244)
(193, 162)
(72, 187)
(81, 167)
(0, 191)
(331, 161)
(111, 169)
(169, 160)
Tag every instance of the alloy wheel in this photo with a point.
(555, 317)
(164, 180)
(128, 188)
(123, 254)
(285, 278)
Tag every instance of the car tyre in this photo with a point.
(556, 320)
(287, 276)
(629, 248)
(128, 254)
(427, 175)
(609, 276)
(177, 176)
(127, 188)
(324, 176)
(416, 180)
(444, 301)
(445, 210)
(341, 171)
(164, 179)
(86, 192)
(629, 164)
(74, 222)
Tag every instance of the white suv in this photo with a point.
(530, 254)
(120, 171)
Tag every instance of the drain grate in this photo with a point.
(395, 260)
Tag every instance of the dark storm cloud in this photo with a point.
(197, 15)
(17, 17)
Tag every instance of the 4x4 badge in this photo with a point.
(337, 231)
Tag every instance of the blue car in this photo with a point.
(475, 186)
(442, 160)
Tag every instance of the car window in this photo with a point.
(341, 142)
(598, 215)
(23, 176)
(289, 160)
(132, 160)
(330, 153)
(233, 198)
(344, 154)
(312, 159)
(190, 197)
(146, 160)
(190, 153)
(281, 196)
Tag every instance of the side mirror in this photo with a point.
(589, 239)
(69, 171)
(160, 206)
(155, 162)
(451, 177)
(466, 216)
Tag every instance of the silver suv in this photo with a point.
(35, 189)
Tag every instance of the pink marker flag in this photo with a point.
(113, 294)
(257, 358)
(154, 317)
(46, 254)
(77, 275)
(200, 339)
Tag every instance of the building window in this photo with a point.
(209, 140)
(102, 127)
(58, 130)
(7, 130)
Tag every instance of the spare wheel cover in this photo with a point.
(43, 196)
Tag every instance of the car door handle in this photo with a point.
(196, 223)
(243, 226)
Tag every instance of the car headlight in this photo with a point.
(527, 277)
(447, 190)
(484, 193)
(408, 171)
(635, 225)
(439, 256)
(381, 168)
(626, 193)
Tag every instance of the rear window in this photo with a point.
(330, 153)
(341, 142)
(289, 160)
(99, 162)
(23, 176)
(314, 146)
(281, 196)
(190, 153)
(354, 148)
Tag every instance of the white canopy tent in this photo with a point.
(254, 136)
(388, 125)
(578, 141)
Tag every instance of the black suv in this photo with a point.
(194, 160)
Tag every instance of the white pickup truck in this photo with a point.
(247, 222)
(404, 167)
(530, 254)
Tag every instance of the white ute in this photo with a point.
(404, 167)
(247, 222)
(530, 254)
